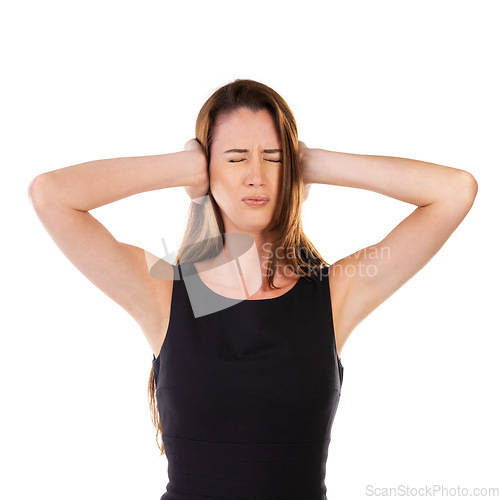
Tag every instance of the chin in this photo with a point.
(251, 224)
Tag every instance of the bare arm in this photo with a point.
(443, 195)
(96, 183)
(62, 199)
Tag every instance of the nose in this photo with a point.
(256, 173)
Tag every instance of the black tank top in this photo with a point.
(247, 394)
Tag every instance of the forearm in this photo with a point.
(412, 181)
(95, 183)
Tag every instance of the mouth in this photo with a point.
(256, 201)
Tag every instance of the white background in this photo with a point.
(92, 80)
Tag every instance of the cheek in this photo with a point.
(277, 179)
(222, 187)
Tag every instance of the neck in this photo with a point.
(243, 259)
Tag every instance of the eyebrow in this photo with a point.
(246, 151)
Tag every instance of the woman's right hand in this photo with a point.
(199, 188)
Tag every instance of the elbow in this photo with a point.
(466, 189)
(469, 186)
(37, 191)
(32, 187)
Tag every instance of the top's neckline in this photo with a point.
(294, 287)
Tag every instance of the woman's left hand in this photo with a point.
(305, 169)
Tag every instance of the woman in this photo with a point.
(246, 373)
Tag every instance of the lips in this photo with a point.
(256, 197)
(256, 201)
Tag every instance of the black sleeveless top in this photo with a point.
(247, 394)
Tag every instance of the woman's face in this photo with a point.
(255, 168)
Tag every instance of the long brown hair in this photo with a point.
(204, 237)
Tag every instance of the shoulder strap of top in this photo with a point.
(323, 273)
(319, 273)
(323, 276)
